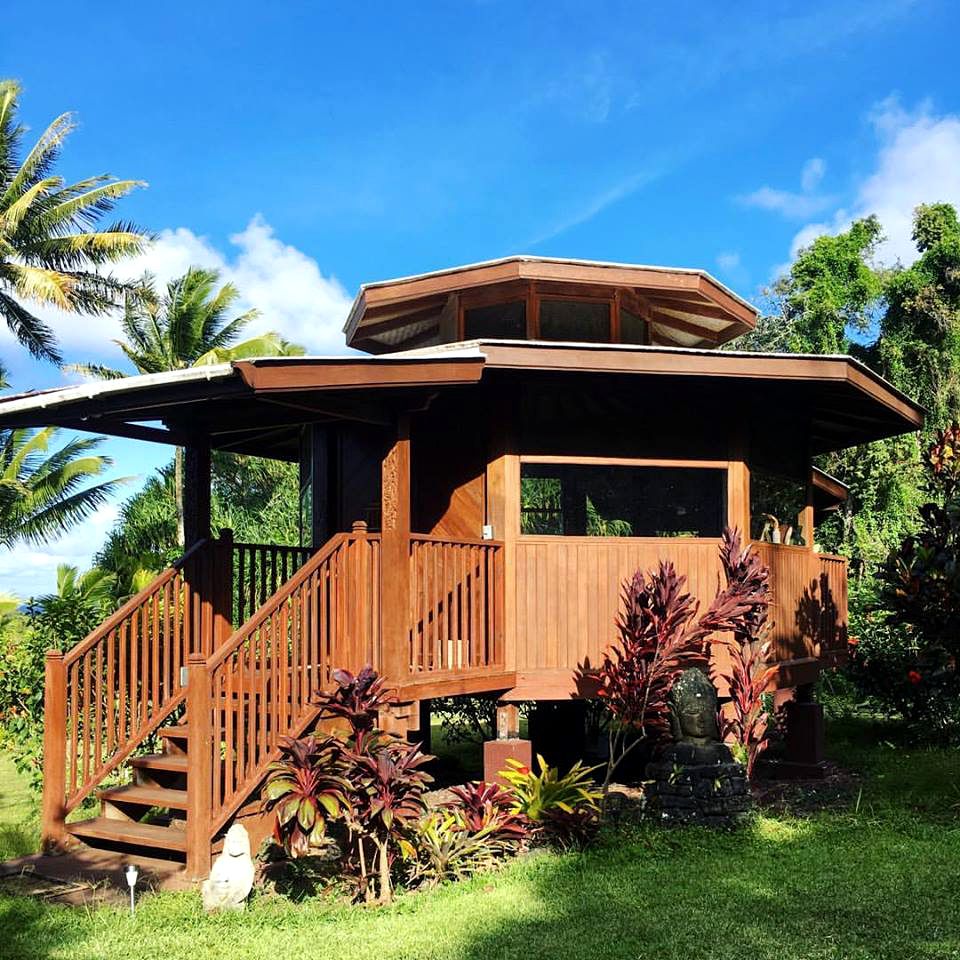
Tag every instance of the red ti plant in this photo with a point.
(305, 787)
(388, 788)
(749, 674)
(660, 636)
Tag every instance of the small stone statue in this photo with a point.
(231, 878)
(693, 709)
(695, 779)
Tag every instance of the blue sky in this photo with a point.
(304, 148)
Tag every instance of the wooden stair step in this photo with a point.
(179, 732)
(173, 762)
(146, 795)
(130, 832)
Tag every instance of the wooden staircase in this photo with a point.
(147, 817)
(169, 663)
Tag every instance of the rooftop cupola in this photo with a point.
(540, 298)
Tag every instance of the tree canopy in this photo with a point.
(52, 252)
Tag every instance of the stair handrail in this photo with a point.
(92, 720)
(121, 613)
(233, 757)
(230, 645)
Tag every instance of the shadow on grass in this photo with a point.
(818, 890)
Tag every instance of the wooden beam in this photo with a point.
(707, 311)
(678, 323)
(134, 431)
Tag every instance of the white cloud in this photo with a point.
(812, 174)
(27, 570)
(793, 205)
(729, 260)
(917, 161)
(286, 285)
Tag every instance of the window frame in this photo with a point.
(573, 460)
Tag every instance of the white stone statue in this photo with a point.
(231, 878)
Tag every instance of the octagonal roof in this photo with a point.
(681, 307)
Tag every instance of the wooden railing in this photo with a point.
(833, 630)
(115, 687)
(809, 610)
(259, 570)
(259, 686)
(456, 597)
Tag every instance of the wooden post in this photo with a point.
(196, 494)
(222, 588)
(508, 721)
(805, 519)
(199, 766)
(395, 557)
(54, 751)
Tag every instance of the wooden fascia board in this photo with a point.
(831, 486)
(369, 373)
(705, 364)
(651, 281)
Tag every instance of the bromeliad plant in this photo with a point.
(660, 636)
(564, 809)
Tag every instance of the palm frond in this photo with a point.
(29, 330)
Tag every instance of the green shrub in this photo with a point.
(563, 809)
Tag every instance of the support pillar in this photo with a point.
(196, 494)
(507, 746)
(199, 764)
(395, 557)
(803, 756)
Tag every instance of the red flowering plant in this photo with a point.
(659, 636)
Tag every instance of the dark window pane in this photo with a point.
(620, 501)
(502, 321)
(775, 505)
(633, 329)
(575, 320)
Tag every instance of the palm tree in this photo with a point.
(187, 325)
(50, 249)
(93, 586)
(43, 494)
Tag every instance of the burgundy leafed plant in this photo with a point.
(305, 788)
(660, 636)
(487, 806)
(749, 675)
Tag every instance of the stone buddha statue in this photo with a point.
(693, 709)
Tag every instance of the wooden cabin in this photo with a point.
(506, 444)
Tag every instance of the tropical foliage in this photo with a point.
(52, 252)
(44, 488)
(660, 635)
(561, 809)
(746, 721)
(56, 621)
(188, 324)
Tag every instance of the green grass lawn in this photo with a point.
(876, 878)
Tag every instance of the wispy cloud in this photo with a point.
(794, 205)
(595, 205)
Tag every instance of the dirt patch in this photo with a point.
(838, 788)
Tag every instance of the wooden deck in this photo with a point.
(172, 649)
